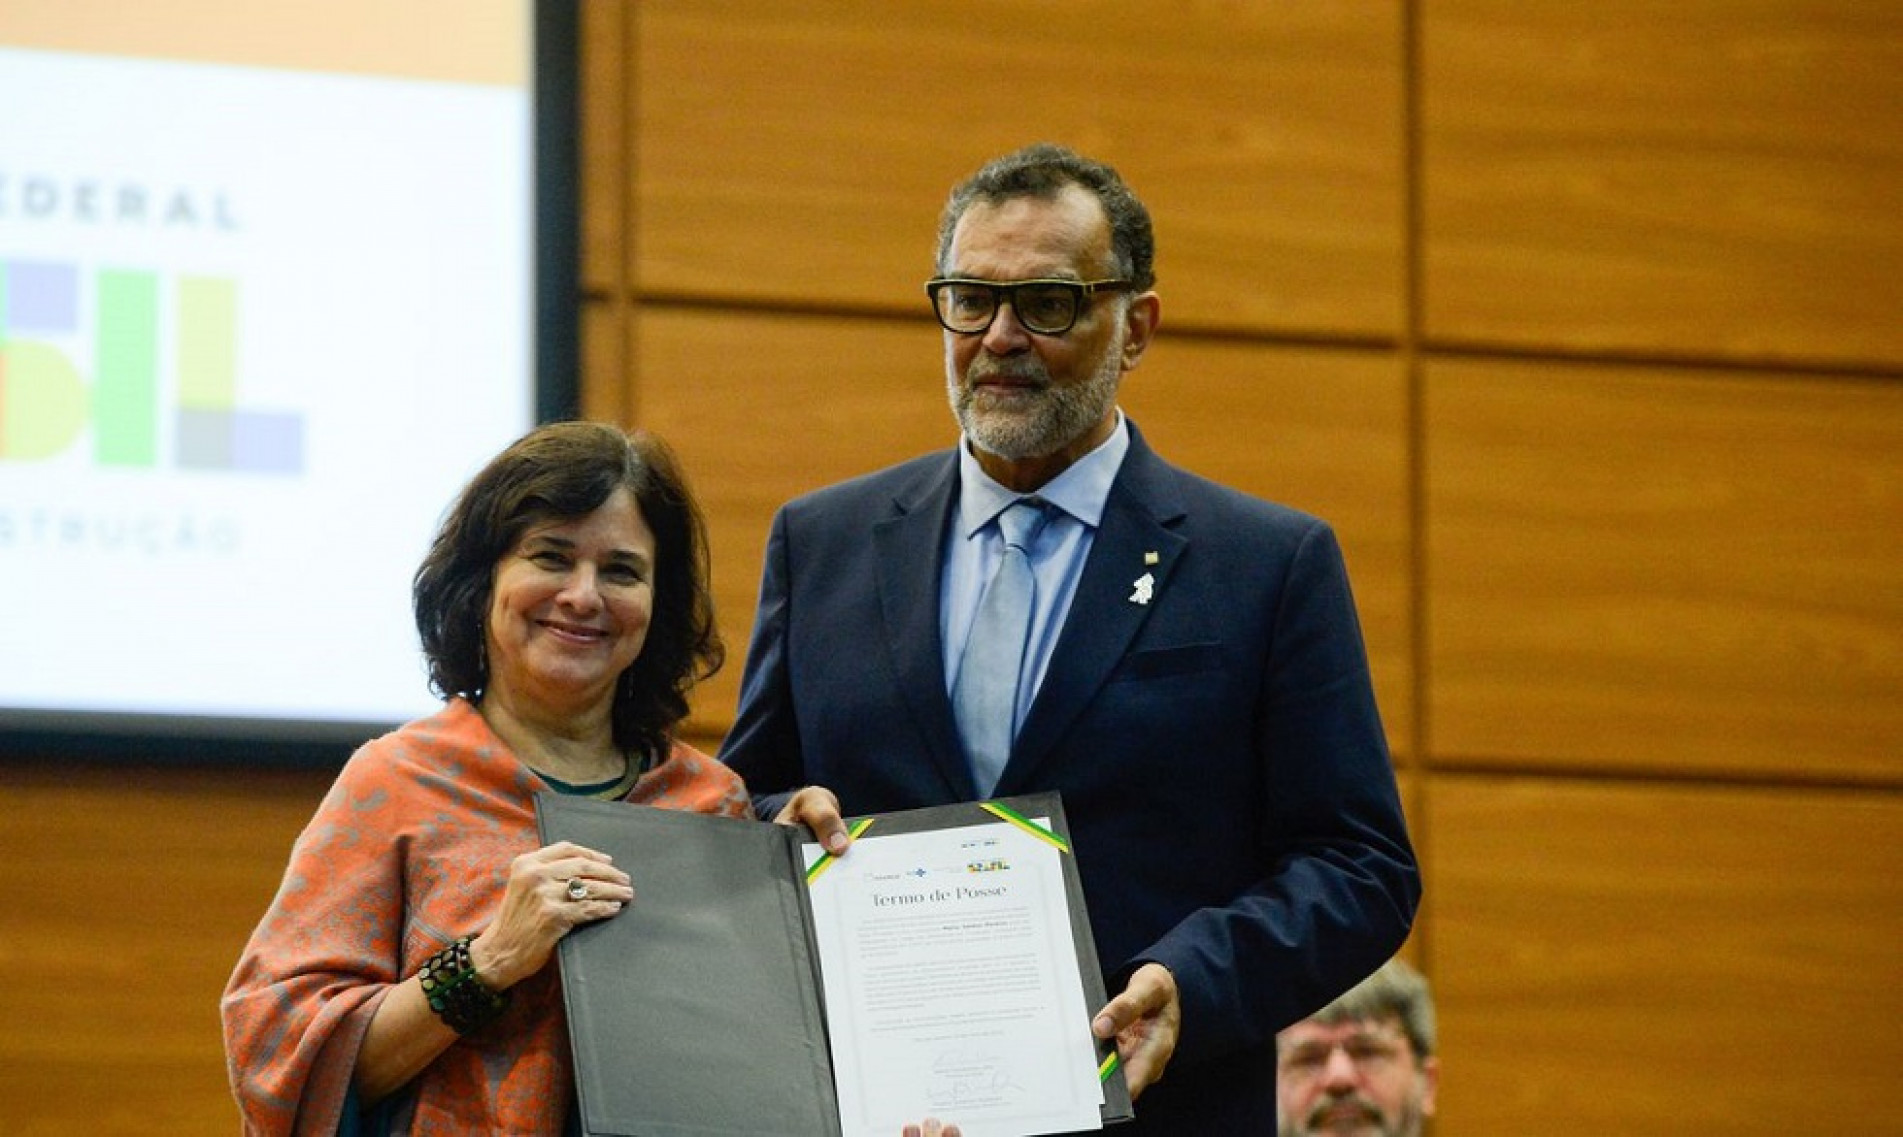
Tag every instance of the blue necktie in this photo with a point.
(985, 695)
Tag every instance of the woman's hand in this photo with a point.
(404, 1035)
(537, 910)
(930, 1127)
(818, 809)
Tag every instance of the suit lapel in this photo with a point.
(907, 545)
(1136, 539)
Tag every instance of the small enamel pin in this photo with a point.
(1145, 588)
(1150, 557)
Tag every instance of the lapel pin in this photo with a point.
(1145, 589)
(1151, 558)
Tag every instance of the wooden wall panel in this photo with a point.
(762, 408)
(1653, 959)
(1675, 571)
(125, 897)
(604, 143)
(1325, 431)
(605, 387)
(799, 154)
(1681, 177)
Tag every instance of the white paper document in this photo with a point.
(951, 983)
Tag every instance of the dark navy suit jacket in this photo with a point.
(1222, 764)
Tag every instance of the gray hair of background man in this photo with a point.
(1395, 991)
(1042, 171)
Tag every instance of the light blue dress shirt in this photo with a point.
(973, 547)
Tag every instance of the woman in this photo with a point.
(399, 981)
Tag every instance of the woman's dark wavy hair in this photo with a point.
(560, 472)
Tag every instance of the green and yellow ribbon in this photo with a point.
(826, 859)
(1006, 813)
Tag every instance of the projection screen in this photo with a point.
(268, 296)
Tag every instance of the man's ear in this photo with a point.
(1139, 327)
(1430, 1082)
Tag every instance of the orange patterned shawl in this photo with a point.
(409, 850)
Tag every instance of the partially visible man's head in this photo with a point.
(1364, 1065)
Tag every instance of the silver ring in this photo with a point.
(576, 889)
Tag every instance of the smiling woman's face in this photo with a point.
(570, 609)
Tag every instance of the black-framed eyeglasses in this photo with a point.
(1047, 307)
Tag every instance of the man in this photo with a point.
(1186, 669)
(1364, 1065)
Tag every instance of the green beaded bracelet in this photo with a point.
(456, 993)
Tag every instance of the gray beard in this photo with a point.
(1059, 415)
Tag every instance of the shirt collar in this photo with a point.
(1081, 490)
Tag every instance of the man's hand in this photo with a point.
(817, 808)
(1145, 1021)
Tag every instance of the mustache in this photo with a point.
(1370, 1113)
(1016, 370)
